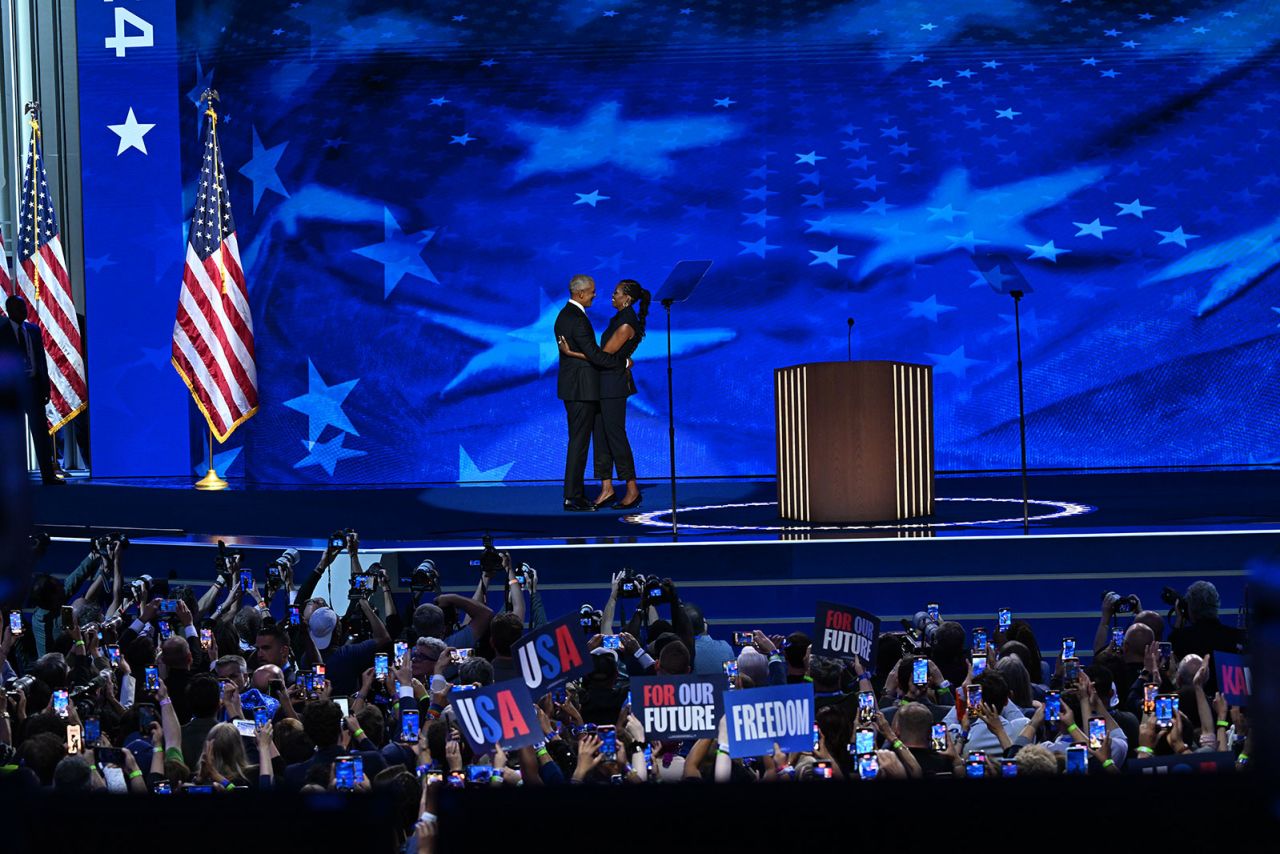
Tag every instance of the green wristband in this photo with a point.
(1073, 728)
(134, 774)
(1224, 724)
(358, 734)
(897, 744)
(1110, 763)
(1146, 751)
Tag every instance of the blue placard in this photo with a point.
(1235, 677)
(552, 655)
(133, 234)
(501, 714)
(757, 718)
(677, 707)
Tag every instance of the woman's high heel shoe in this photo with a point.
(634, 504)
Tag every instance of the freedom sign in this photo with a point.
(501, 714)
(757, 717)
(553, 655)
(1235, 679)
(677, 707)
(843, 631)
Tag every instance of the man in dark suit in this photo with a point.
(22, 339)
(578, 385)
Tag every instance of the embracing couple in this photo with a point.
(594, 383)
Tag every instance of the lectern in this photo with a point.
(855, 441)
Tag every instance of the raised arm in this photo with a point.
(480, 613)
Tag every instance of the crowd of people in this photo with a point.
(146, 687)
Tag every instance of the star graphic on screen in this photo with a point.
(939, 83)
(1110, 73)
(1047, 251)
(998, 213)
(1241, 261)
(955, 363)
(593, 198)
(1007, 113)
(928, 309)
(261, 170)
(322, 404)
(462, 140)
(222, 462)
(643, 146)
(966, 241)
(758, 247)
(831, 257)
(760, 218)
(399, 254)
(469, 473)
(131, 133)
(328, 454)
(1095, 228)
(528, 352)
(811, 158)
(946, 214)
(440, 102)
(1133, 208)
(1177, 236)
(725, 102)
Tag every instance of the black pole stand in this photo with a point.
(1022, 412)
(671, 422)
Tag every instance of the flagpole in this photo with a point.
(211, 482)
(33, 109)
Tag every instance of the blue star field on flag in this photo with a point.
(426, 178)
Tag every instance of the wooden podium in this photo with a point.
(855, 441)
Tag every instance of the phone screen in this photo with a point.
(92, 730)
(73, 739)
(246, 579)
(817, 737)
(1053, 706)
(380, 665)
(261, 717)
(1071, 669)
(1077, 760)
(973, 696)
(402, 649)
(608, 740)
(206, 638)
(979, 640)
(975, 767)
(866, 706)
(152, 682)
(611, 642)
(920, 671)
(1149, 692)
(1097, 732)
(60, 702)
(247, 729)
(743, 638)
(1068, 647)
(1004, 617)
(479, 774)
(321, 670)
(1008, 768)
(823, 770)
(113, 653)
(979, 664)
(939, 741)
(868, 766)
(15, 622)
(409, 726)
(344, 774)
(165, 631)
(295, 615)
(864, 742)
(933, 611)
(1164, 709)
(1117, 638)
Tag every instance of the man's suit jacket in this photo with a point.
(10, 342)
(579, 380)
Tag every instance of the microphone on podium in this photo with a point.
(851, 339)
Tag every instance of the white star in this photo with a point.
(131, 134)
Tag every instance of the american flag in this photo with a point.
(213, 335)
(42, 279)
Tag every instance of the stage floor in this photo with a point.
(1246, 500)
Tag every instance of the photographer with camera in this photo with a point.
(1197, 627)
(49, 594)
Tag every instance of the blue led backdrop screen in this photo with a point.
(414, 184)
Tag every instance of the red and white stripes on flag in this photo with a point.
(41, 277)
(213, 334)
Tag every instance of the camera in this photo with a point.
(284, 564)
(589, 618)
(923, 627)
(363, 584)
(222, 563)
(490, 561)
(1118, 604)
(655, 591)
(338, 539)
(101, 545)
(425, 578)
(1174, 600)
(631, 586)
(140, 588)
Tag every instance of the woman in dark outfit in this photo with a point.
(623, 335)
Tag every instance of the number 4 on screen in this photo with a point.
(121, 41)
